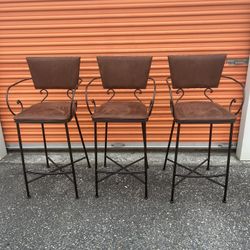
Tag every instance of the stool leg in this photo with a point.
(105, 147)
(144, 133)
(209, 146)
(169, 143)
(175, 163)
(71, 159)
(83, 144)
(228, 162)
(23, 162)
(45, 146)
(96, 163)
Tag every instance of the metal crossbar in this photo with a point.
(119, 171)
(61, 169)
(199, 175)
(52, 172)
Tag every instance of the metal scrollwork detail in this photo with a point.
(70, 94)
(153, 97)
(180, 92)
(94, 104)
(18, 102)
(206, 93)
(86, 96)
(136, 92)
(234, 100)
(110, 92)
(231, 104)
(44, 91)
(171, 101)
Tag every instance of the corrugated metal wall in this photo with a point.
(111, 27)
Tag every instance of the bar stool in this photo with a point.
(122, 72)
(50, 73)
(198, 71)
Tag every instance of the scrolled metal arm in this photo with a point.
(19, 102)
(179, 91)
(151, 104)
(210, 90)
(152, 101)
(234, 100)
(171, 95)
(71, 95)
(86, 96)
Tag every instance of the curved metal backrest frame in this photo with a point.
(54, 72)
(112, 93)
(181, 92)
(196, 71)
(70, 93)
(124, 72)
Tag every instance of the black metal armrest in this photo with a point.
(71, 94)
(86, 96)
(19, 102)
(234, 100)
(151, 105)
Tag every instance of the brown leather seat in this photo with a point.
(201, 112)
(47, 112)
(121, 111)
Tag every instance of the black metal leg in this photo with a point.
(175, 162)
(22, 157)
(83, 144)
(45, 146)
(209, 146)
(105, 147)
(71, 159)
(228, 162)
(96, 163)
(169, 143)
(144, 133)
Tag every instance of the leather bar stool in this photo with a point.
(198, 71)
(122, 72)
(50, 73)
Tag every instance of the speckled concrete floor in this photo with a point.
(120, 218)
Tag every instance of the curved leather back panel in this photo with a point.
(124, 72)
(54, 72)
(196, 71)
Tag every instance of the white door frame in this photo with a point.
(3, 151)
(243, 146)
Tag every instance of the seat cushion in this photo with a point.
(48, 112)
(120, 111)
(202, 112)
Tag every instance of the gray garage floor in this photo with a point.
(120, 218)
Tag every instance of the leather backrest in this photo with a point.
(54, 72)
(124, 72)
(196, 71)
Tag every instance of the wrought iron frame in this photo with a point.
(58, 169)
(206, 90)
(113, 93)
(192, 172)
(121, 169)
